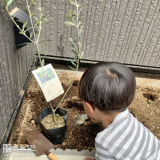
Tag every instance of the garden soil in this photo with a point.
(145, 107)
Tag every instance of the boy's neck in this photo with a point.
(107, 118)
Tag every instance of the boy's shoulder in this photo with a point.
(127, 137)
(116, 126)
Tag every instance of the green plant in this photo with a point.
(36, 26)
(76, 42)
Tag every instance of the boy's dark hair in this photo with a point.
(108, 86)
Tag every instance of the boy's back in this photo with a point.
(107, 89)
(127, 139)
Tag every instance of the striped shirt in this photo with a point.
(126, 139)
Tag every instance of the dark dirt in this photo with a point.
(145, 107)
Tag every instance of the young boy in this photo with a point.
(107, 89)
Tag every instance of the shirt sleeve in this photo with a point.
(102, 153)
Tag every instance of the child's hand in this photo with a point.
(88, 158)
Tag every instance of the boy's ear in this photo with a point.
(89, 107)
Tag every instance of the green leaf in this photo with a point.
(79, 20)
(21, 32)
(81, 55)
(69, 23)
(43, 2)
(20, 3)
(73, 63)
(72, 2)
(72, 19)
(74, 13)
(79, 23)
(31, 34)
(24, 25)
(79, 37)
(46, 20)
(71, 39)
(27, 29)
(71, 68)
(33, 5)
(79, 62)
(9, 2)
(27, 12)
(36, 32)
(35, 18)
(81, 29)
(20, 21)
(74, 34)
(24, 22)
(81, 8)
(74, 46)
(37, 23)
(33, 13)
(42, 63)
(24, 43)
(74, 51)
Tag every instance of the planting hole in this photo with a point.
(75, 83)
(150, 96)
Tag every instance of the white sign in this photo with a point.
(49, 82)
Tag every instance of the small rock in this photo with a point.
(63, 144)
(33, 121)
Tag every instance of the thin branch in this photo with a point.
(31, 20)
(36, 39)
(53, 111)
(40, 27)
(67, 89)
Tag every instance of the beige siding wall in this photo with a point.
(14, 66)
(125, 31)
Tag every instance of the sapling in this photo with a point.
(76, 40)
